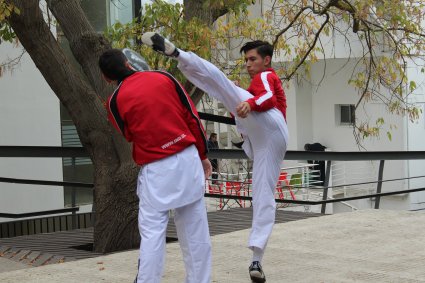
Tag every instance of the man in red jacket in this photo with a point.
(265, 86)
(153, 111)
(260, 119)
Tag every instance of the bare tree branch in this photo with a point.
(369, 75)
(311, 47)
(279, 34)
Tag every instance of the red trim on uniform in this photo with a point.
(261, 85)
(115, 115)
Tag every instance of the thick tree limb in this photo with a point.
(115, 172)
(86, 44)
(41, 45)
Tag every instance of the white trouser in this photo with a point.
(265, 140)
(190, 219)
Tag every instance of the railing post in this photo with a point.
(93, 209)
(379, 185)
(326, 184)
(73, 196)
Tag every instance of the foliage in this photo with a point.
(190, 35)
(233, 6)
(193, 35)
(6, 32)
(6, 10)
(390, 33)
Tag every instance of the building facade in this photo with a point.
(319, 110)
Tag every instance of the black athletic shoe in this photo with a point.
(238, 144)
(160, 44)
(256, 273)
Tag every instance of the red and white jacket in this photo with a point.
(153, 111)
(267, 90)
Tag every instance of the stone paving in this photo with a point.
(362, 246)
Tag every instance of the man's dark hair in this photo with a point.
(112, 63)
(213, 135)
(263, 48)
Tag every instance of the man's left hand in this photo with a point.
(243, 109)
(206, 164)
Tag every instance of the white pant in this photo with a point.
(190, 218)
(265, 140)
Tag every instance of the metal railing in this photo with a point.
(329, 157)
(75, 152)
(31, 151)
(45, 225)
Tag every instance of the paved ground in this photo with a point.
(364, 246)
(10, 265)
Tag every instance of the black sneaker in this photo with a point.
(256, 273)
(238, 144)
(160, 44)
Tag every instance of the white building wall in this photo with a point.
(292, 114)
(29, 116)
(416, 133)
(329, 87)
(312, 116)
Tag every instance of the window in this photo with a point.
(345, 114)
(120, 11)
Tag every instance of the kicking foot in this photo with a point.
(256, 273)
(160, 44)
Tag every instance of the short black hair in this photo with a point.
(112, 63)
(263, 48)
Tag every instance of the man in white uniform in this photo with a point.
(265, 138)
(152, 110)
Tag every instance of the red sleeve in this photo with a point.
(196, 128)
(262, 87)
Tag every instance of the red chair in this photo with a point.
(216, 189)
(234, 188)
(283, 182)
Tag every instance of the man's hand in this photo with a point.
(206, 164)
(243, 109)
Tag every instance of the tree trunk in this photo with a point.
(115, 173)
(83, 95)
(207, 11)
(202, 10)
(197, 9)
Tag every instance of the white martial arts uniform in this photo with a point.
(265, 137)
(175, 182)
